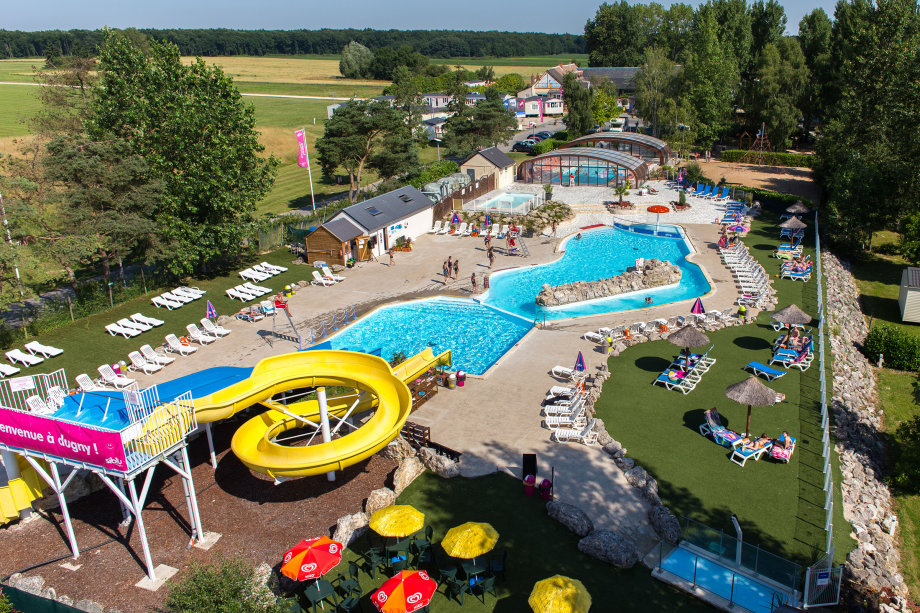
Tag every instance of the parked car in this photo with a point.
(522, 146)
(536, 138)
(545, 134)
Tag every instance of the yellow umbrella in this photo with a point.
(397, 520)
(559, 594)
(469, 540)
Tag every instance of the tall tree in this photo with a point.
(780, 80)
(485, 124)
(710, 76)
(353, 139)
(356, 61)
(604, 103)
(655, 86)
(108, 198)
(577, 98)
(675, 30)
(815, 40)
(735, 30)
(615, 37)
(197, 135)
(768, 24)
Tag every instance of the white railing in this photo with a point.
(13, 392)
(159, 430)
(826, 447)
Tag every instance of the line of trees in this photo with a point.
(215, 42)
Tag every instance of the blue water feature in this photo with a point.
(476, 335)
(508, 202)
(599, 254)
(741, 589)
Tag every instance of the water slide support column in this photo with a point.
(324, 422)
(11, 465)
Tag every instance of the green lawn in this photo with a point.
(87, 345)
(780, 506)
(18, 103)
(310, 89)
(537, 546)
(537, 61)
(19, 71)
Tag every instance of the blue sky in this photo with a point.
(522, 16)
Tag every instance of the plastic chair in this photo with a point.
(482, 585)
(348, 585)
(373, 559)
(498, 563)
(456, 589)
(318, 591)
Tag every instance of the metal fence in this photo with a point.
(15, 391)
(160, 429)
(826, 446)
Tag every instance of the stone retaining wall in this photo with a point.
(654, 273)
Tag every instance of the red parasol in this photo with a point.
(408, 591)
(658, 208)
(311, 558)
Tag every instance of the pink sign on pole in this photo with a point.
(302, 159)
(97, 447)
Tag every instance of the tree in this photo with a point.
(768, 24)
(108, 198)
(510, 83)
(775, 92)
(577, 98)
(710, 76)
(196, 134)
(356, 61)
(675, 30)
(486, 124)
(815, 41)
(65, 96)
(486, 73)
(354, 136)
(385, 61)
(615, 36)
(735, 23)
(655, 86)
(604, 104)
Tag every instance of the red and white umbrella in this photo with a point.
(311, 558)
(408, 591)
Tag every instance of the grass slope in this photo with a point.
(780, 506)
(18, 103)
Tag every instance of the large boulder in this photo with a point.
(378, 499)
(570, 516)
(90, 606)
(350, 527)
(32, 584)
(637, 477)
(397, 450)
(406, 473)
(614, 449)
(610, 547)
(665, 524)
(625, 463)
(440, 465)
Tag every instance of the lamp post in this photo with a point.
(438, 141)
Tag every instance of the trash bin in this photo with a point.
(546, 489)
(529, 484)
(451, 381)
(287, 291)
(742, 311)
(461, 378)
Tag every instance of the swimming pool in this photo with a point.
(507, 202)
(740, 589)
(599, 254)
(476, 335)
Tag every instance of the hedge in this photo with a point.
(900, 349)
(545, 146)
(772, 158)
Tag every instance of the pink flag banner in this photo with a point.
(302, 160)
(65, 440)
(541, 110)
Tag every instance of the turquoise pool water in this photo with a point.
(599, 254)
(507, 202)
(476, 335)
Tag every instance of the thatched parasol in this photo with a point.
(792, 314)
(753, 393)
(793, 223)
(688, 336)
(797, 209)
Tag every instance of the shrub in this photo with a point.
(900, 349)
(695, 173)
(5, 606)
(562, 135)
(773, 158)
(547, 145)
(225, 586)
(906, 473)
(433, 172)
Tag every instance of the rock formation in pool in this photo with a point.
(650, 274)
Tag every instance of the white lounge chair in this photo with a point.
(18, 355)
(7, 370)
(187, 292)
(193, 290)
(275, 267)
(86, 384)
(151, 355)
(235, 293)
(461, 231)
(150, 321)
(252, 275)
(585, 435)
(562, 410)
(328, 274)
(117, 381)
(115, 330)
(445, 229)
(38, 406)
(36, 348)
(198, 336)
(561, 390)
(594, 337)
(575, 420)
(212, 328)
(252, 288)
(468, 231)
(569, 374)
(176, 297)
(496, 228)
(436, 228)
(124, 322)
(139, 363)
(319, 280)
(56, 397)
(174, 346)
(161, 302)
(504, 231)
(271, 272)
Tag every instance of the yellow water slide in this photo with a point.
(19, 493)
(383, 389)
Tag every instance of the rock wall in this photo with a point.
(655, 273)
(857, 425)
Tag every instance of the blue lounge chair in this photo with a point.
(796, 276)
(720, 434)
(700, 188)
(723, 195)
(707, 192)
(762, 370)
(741, 455)
(793, 359)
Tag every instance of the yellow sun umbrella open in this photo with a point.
(469, 540)
(397, 520)
(559, 594)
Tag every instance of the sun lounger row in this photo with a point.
(130, 327)
(564, 409)
(744, 449)
(326, 277)
(684, 374)
(37, 353)
(465, 229)
(247, 291)
(261, 272)
(177, 298)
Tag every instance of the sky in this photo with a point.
(520, 16)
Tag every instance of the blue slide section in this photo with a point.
(107, 409)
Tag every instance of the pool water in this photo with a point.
(720, 580)
(507, 202)
(476, 335)
(599, 254)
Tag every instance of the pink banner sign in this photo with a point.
(65, 440)
(302, 160)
